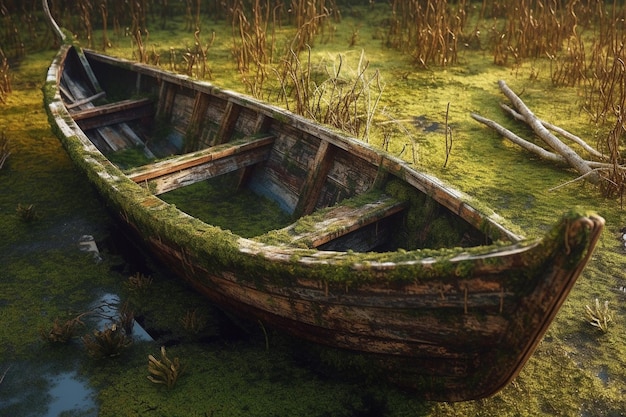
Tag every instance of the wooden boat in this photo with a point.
(375, 257)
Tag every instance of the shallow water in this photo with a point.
(69, 393)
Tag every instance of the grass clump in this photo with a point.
(62, 331)
(165, 371)
(27, 213)
(139, 282)
(192, 321)
(107, 343)
(598, 316)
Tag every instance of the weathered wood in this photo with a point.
(538, 150)
(110, 108)
(93, 80)
(190, 168)
(227, 125)
(312, 187)
(456, 322)
(86, 100)
(262, 123)
(572, 157)
(113, 113)
(167, 95)
(200, 106)
(115, 139)
(529, 146)
(77, 91)
(559, 130)
(343, 219)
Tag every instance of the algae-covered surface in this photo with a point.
(239, 368)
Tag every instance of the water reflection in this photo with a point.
(69, 393)
(41, 390)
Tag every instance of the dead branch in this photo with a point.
(555, 143)
(557, 129)
(538, 150)
(531, 147)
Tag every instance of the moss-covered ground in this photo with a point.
(249, 370)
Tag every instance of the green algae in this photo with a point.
(560, 379)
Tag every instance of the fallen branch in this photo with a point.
(557, 129)
(531, 147)
(538, 150)
(570, 156)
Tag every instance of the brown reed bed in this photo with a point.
(429, 31)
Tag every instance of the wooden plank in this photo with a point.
(207, 170)
(113, 138)
(200, 106)
(66, 93)
(77, 91)
(136, 140)
(88, 71)
(111, 108)
(241, 153)
(114, 113)
(261, 126)
(342, 219)
(227, 126)
(262, 123)
(86, 100)
(167, 95)
(316, 177)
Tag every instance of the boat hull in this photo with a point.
(454, 324)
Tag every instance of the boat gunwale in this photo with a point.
(432, 186)
(454, 200)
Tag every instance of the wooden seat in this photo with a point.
(187, 169)
(113, 113)
(107, 122)
(341, 220)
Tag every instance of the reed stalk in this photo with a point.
(5, 87)
(5, 152)
(347, 102)
(104, 12)
(427, 30)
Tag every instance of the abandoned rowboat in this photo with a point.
(376, 258)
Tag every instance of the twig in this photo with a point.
(582, 177)
(4, 374)
(448, 133)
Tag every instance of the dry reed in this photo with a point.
(347, 102)
(5, 79)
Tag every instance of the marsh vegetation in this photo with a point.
(417, 66)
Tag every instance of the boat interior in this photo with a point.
(233, 163)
